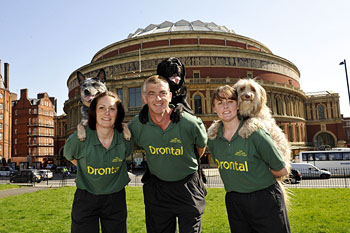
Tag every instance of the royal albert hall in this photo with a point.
(213, 56)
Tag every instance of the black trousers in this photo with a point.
(166, 201)
(89, 209)
(263, 211)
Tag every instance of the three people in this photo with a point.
(248, 167)
(101, 169)
(173, 189)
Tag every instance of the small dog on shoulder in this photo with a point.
(89, 89)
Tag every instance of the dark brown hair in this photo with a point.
(120, 112)
(224, 92)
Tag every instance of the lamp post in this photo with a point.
(346, 74)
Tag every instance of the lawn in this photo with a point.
(312, 210)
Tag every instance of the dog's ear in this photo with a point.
(80, 77)
(183, 72)
(102, 75)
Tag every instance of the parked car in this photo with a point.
(7, 171)
(46, 174)
(294, 177)
(308, 170)
(26, 176)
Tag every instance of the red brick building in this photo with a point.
(60, 138)
(33, 129)
(5, 116)
(323, 119)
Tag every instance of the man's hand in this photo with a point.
(74, 161)
(201, 151)
(176, 113)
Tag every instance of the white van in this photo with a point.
(308, 170)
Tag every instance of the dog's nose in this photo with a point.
(247, 96)
(86, 92)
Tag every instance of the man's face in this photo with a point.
(157, 96)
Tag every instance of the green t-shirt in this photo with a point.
(244, 163)
(170, 153)
(99, 170)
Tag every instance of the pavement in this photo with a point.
(18, 191)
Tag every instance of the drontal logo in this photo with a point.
(116, 159)
(240, 153)
(175, 140)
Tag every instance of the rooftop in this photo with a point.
(181, 25)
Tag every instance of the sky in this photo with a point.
(45, 41)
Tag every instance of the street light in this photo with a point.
(346, 74)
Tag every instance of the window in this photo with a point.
(15, 140)
(16, 122)
(1, 116)
(16, 112)
(15, 131)
(135, 97)
(249, 74)
(1, 126)
(34, 111)
(196, 74)
(0, 136)
(1, 106)
(198, 104)
(320, 110)
(120, 93)
(1, 96)
(30, 111)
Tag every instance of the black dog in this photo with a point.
(174, 72)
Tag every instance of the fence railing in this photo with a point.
(338, 178)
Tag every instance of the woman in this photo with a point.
(248, 167)
(101, 168)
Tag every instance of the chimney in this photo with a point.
(6, 74)
(24, 93)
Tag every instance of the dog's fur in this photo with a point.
(89, 89)
(251, 98)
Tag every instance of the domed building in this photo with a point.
(213, 56)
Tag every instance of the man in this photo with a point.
(173, 188)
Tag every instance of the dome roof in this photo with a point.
(181, 25)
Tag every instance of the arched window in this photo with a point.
(320, 110)
(325, 139)
(279, 108)
(198, 104)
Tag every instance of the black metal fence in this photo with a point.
(332, 178)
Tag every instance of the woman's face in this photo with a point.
(226, 109)
(106, 112)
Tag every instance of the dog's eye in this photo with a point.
(253, 89)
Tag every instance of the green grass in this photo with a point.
(8, 186)
(312, 210)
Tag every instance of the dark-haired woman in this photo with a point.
(248, 167)
(101, 169)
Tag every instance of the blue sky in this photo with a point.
(45, 41)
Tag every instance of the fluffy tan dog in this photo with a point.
(252, 106)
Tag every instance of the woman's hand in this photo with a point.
(280, 173)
